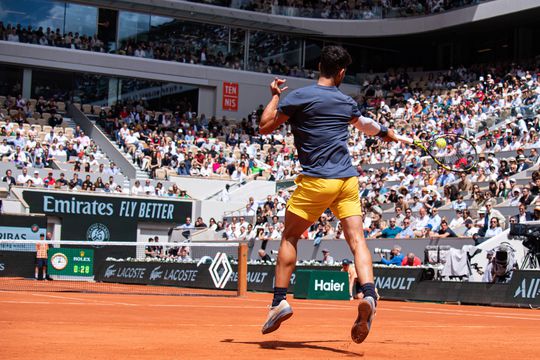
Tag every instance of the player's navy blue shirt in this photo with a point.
(319, 118)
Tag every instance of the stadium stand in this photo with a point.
(496, 106)
(346, 10)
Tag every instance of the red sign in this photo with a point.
(230, 96)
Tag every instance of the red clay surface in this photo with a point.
(39, 325)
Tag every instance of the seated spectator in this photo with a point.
(9, 179)
(49, 181)
(396, 258)
(526, 197)
(445, 231)
(391, 231)
(411, 260)
(407, 232)
(421, 223)
(36, 180)
(523, 215)
(327, 259)
(75, 182)
(494, 228)
(457, 220)
(183, 254)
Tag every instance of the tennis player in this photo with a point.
(319, 116)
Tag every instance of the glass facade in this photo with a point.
(103, 90)
(81, 19)
(274, 53)
(156, 37)
(66, 17)
(133, 26)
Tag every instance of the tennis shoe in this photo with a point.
(276, 316)
(362, 325)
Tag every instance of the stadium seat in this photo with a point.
(87, 109)
(61, 106)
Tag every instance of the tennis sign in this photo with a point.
(230, 96)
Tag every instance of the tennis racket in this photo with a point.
(451, 152)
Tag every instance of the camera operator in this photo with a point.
(501, 265)
(396, 258)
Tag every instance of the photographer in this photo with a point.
(501, 266)
(396, 258)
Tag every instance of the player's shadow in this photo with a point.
(282, 345)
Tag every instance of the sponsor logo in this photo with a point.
(321, 285)
(98, 232)
(181, 275)
(110, 271)
(220, 280)
(2, 266)
(394, 283)
(98, 207)
(34, 228)
(59, 261)
(528, 289)
(156, 274)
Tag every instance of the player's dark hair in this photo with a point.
(333, 59)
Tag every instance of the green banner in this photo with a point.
(71, 262)
(321, 284)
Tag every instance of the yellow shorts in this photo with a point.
(314, 195)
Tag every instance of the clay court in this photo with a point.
(69, 325)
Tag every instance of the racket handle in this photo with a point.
(404, 139)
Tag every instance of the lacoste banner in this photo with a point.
(524, 288)
(203, 276)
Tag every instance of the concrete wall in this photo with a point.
(216, 209)
(252, 87)
(259, 189)
(200, 188)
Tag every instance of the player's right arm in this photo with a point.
(271, 118)
(372, 128)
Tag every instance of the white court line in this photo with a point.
(82, 299)
(461, 314)
(410, 309)
(198, 324)
(24, 302)
(470, 311)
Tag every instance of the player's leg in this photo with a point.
(286, 262)
(36, 270)
(353, 231)
(311, 197)
(348, 209)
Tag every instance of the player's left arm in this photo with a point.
(271, 118)
(372, 128)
